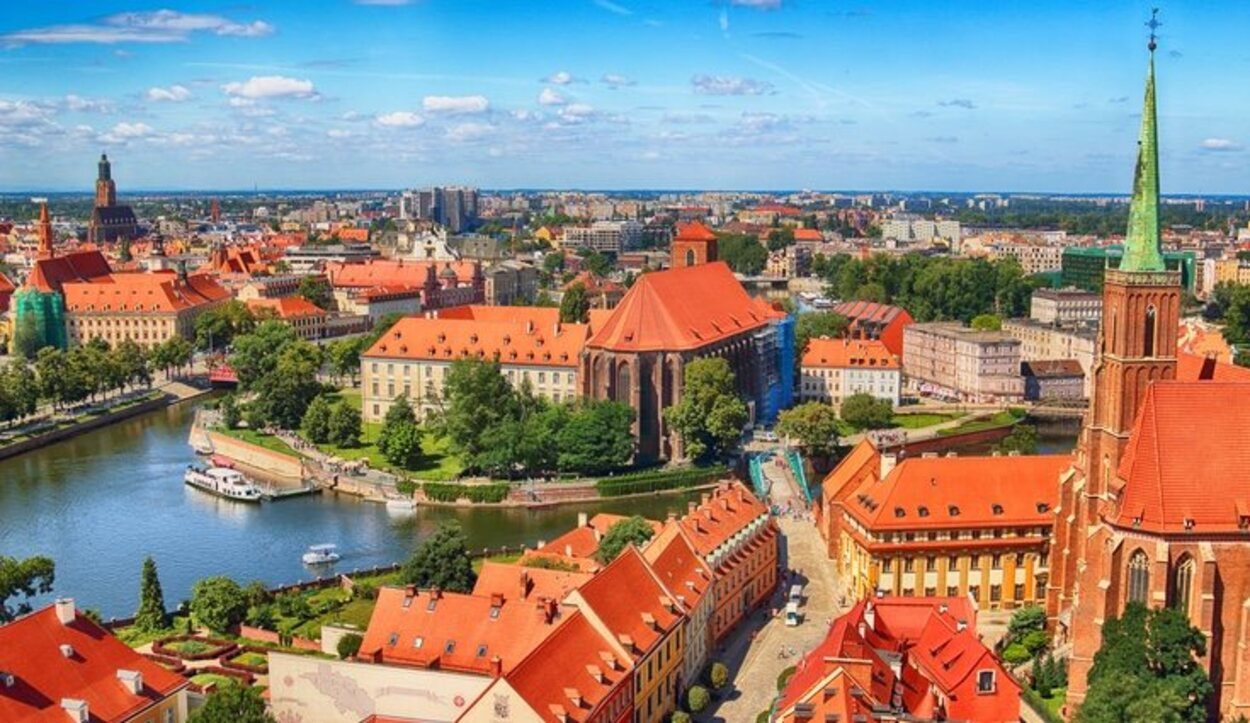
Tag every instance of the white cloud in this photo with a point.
(172, 94)
(23, 113)
(159, 26)
(616, 80)
(271, 86)
(126, 131)
(729, 85)
(560, 77)
(400, 119)
(551, 97)
(455, 104)
(1220, 144)
(79, 104)
(340, 133)
(468, 132)
(613, 7)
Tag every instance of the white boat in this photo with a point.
(401, 504)
(321, 555)
(223, 482)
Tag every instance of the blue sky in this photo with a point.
(725, 94)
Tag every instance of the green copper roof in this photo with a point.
(1141, 247)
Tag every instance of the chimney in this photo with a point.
(410, 590)
(77, 709)
(496, 599)
(887, 463)
(65, 610)
(132, 680)
(496, 667)
(691, 507)
(582, 519)
(67, 650)
(525, 584)
(568, 550)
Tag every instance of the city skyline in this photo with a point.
(745, 94)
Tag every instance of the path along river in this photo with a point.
(100, 502)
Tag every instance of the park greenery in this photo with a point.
(813, 424)
(233, 703)
(986, 322)
(25, 578)
(1021, 440)
(400, 438)
(710, 416)
(441, 561)
(816, 324)
(216, 328)
(634, 531)
(151, 615)
(218, 603)
(743, 252)
(1230, 303)
(575, 305)
(1148, 669)
(864, 411)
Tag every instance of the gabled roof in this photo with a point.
(30, 651)
(517, 582)
(673, 558)
(941, 492)
(720, 516)
(680, 309)
(583, 541)
(1051, 368)
(631, 602)
(1188, 441)
(589, 668)
(517, 342)
(51, 273)
(825, 353)
(287, 307)
(694, 231)
(139, 291)
(1192, 368)
(808, 234)
(870, 312)
(452, 631)
(394, 272)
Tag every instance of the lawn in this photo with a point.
(251, 658)
(438, 463)
(1056, 700)
(134, 637)
(920, 420)
(204, 679)
(190, 647)
(259, 439)
(1005, 418)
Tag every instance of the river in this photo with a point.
(100, 502)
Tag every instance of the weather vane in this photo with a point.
(1153, 25)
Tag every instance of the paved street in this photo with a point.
(754, 652)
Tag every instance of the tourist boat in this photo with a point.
(222, 482)
(321, 555)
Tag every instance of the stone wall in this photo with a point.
(261, 459)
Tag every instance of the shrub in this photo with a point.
(718, 676)
(406, 487)
(679, 716)
(697, 698)
(450, 492)
(349, 645)
(1016, 654)
(218, 603)
(1035, 641)
(658, 480)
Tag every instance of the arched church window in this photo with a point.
(1138, 577)
(1150, 331)
(622, 383)
(1182, 584)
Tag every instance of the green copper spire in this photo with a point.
(1141, 247)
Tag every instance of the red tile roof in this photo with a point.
(583, 541)
(287, 307)
(517, 582)
(729, 509)
(1191, 368)
(137, 292)
(847, 353)
(30, 651)
(632, 603)
(511, 342)
(394, 272)
(681, 309)
(808, 234)
(1189, 440)
(675, 561)
(51, 273)
(451, 631)
(694, 231)
(941, 492)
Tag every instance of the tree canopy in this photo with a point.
(442, 561)
(218, 603)
(710, 416)
(631, 531)
(744, 253)
(26, 578)
(232, 703)
(864, 411)
(815, 324)
(813, 424)
(575, 305)
(151, 614)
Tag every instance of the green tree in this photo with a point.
(232, 703)
(1026, 620)
(26, 341)
(872, 291)
(442, 561)
(744, 253)
(697, 699)
(597, 263)
(256, 354)
(285, 392)
(596, 438)
(216, 328)
(400, 412)
(986, 322)
(779, 238)
(151, 614)
(316, 290)
(27, 578)
(634, 531)
(718, 675)
(402, 446)
(813, 424)
(814, 325)
(316, 422)
(230, 414)
(1022, 440)
(575, 305)
(345, 425)
(344, 357)
(132, 360)
(218, 603)
(349, 645)
(478, 397)
(710, 416)
(864, 411)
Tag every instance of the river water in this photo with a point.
(100, 502)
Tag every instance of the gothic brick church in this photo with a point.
(1156, 507)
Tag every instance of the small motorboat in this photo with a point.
(223, 482)
(321, 555)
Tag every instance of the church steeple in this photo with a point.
(105, 189)
(1142, 250)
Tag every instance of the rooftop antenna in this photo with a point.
(1153, 24)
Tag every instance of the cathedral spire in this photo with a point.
(1142, 250)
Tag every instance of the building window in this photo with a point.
(1150, 332)
(1138, 577)
(975, 592)
(985, 681)
(952, 591)
(996, 562)
(1182, 584)
(996, 593)
(907, 564)
(1019, 591)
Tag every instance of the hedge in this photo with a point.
(655, 481)
(1038, 704)
(445, 492)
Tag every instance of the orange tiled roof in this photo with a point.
(632, 603)
(720, 516)
(445, 339)
(1202, 339)
(694, 231)
(680, 309)
(138, 292)
(1188, 440)
(939, 492)
(1192, 368)
(678, 565)
(808, 234)
(30, 650)
(50, 274)
(583, 541)
(828, 353)
(589, 672)
(287, 307)
(451, 631)
(517, 582)
(394, 272)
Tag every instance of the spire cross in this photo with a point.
(1153, 24)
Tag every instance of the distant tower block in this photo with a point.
(694, 244)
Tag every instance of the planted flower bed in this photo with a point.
(191, 647)
(212, 676)
(251, 659)
(173, 665)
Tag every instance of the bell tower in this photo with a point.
(694, 244)
(105, 189)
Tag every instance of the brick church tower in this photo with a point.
(105, 189)
(694, 244)
(1137, 346)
